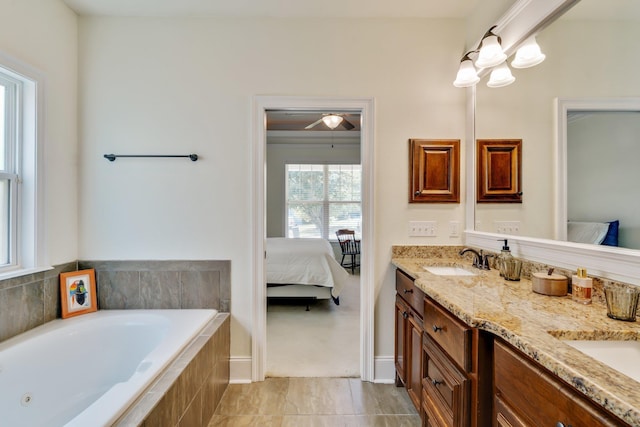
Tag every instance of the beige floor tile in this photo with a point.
(319, 396)
(260, 398)
(245, 421)
(380, 399)
(390, 420)
(321, 421)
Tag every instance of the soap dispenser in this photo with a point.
(504, 258)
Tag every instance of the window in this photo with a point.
(10, 90)
(21, 184)
(322, 199)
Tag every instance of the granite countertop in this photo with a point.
(523, 318)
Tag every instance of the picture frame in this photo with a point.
(78, 293)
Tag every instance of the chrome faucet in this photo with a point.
(479, 259)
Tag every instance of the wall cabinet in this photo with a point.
(408, 338)
(526, 394)
(499, 177)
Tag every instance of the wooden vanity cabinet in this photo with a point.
(409, 312)
(526, 394)
(456, 384)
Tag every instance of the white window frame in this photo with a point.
(325, 197)
(27, 210)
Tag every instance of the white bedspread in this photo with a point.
(304, 262)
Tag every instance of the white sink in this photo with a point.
(623, 356)
(448, 271)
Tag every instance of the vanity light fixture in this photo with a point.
(501, 76)
(332, 120)
(491, 53)
(528, 54)
(467, 74)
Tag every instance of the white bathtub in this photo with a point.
(86, 370)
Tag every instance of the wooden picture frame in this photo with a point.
(499, 169)
(78, 293)
(434, 171)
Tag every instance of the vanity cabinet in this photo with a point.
(526, 394)
(457, 372)
(409, 311)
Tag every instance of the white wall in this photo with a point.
(43, 35)
(186, 85)
(602, 176)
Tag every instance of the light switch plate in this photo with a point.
(423, 228)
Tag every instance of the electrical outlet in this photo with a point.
(454, 228)
(507, 227)
(423, 228)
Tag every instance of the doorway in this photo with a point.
(364, 107)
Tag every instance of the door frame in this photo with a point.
(365, 106)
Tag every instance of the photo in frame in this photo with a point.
(78, 292)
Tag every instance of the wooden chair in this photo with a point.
(350, 249)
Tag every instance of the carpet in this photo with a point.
(321, 342)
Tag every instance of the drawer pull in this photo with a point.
(436, 328)
(408, 291)
(436, 382)
(405, 315)
(561, 424)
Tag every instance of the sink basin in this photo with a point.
(448, 271)
(622, 356)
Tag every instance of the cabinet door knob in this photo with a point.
(561, 424)
(408, 291)
(436, 328)
(436, 382)
(405, 315)
(417, 193)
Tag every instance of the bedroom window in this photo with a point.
(322, 199)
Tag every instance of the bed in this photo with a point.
(303, 268)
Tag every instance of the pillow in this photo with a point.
(611, 239)
(587, 232)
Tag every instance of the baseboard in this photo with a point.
(384, 369)
(239, 370)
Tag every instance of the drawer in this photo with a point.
(410, 292)
(446, 389)
(533, 395)
(453, 336)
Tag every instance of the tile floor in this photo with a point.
(317, 402)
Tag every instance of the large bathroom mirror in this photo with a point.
(591, 54)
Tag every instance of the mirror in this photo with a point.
(590, 53)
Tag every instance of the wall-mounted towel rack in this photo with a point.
(112, 157)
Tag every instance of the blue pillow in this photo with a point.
(611, 239)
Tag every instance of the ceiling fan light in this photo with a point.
(491, 53)
(501, 76)
(528, 54)
(467, 74)
(332, 120)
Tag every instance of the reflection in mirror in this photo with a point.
(591, 52)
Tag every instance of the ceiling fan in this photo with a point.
(332, 120)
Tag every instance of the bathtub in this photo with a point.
(87, 370)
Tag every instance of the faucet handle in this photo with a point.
(485, 261)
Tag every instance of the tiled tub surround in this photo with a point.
(30, 301)
(513, 312)
(162, 284)
(189, 390)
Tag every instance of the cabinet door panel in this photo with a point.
(540, 398)
(414, 373)
(402, 313)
